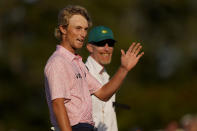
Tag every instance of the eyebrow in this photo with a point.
(86, 28)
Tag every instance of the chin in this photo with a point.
(106, 62)
(79, 46)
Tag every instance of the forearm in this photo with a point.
(113, 85)
(61, 114)
(128, 61)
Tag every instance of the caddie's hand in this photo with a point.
(132, 56)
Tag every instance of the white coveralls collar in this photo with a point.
(97, 67)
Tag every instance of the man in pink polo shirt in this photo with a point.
(68, 83)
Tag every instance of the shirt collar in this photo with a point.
(98, 68)
(69, 55)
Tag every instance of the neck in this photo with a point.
(66, 45)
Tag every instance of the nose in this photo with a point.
(106, 46)
(83, 33)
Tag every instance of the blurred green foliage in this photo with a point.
(161, 88)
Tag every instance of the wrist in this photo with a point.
(123, 69)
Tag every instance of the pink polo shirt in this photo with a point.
(67, 77)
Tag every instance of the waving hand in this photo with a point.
(131, 57)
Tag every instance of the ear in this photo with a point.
(62, 29)
(89, 47)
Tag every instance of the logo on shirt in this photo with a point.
(78, 75)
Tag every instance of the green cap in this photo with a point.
(100, 33)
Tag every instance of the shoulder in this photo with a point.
(55, 61)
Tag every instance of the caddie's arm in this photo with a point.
(61, 114)
(128, 61)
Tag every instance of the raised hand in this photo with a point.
(131, 57)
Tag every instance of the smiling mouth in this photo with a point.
(105, 54)
(80, 40)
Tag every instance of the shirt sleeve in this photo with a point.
(57, 81)
(93, 84)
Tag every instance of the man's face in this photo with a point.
(76, 32)
(103, 54)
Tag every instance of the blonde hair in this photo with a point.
(66, 13)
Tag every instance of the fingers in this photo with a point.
(131, 48)
(137, 49)
(140, 55)
(122, 52)
(134, 49)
